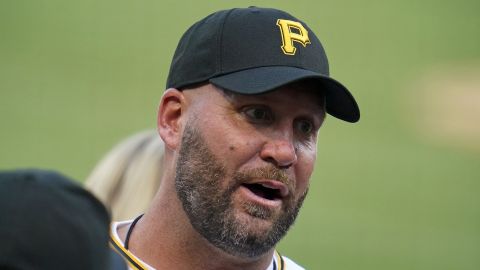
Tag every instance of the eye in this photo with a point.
(304, 126)
(258, 114)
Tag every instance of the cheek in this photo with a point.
(232, 146)
(304, 170)
(238, 149)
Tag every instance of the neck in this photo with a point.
(165, 239)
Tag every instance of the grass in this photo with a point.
(77, 77)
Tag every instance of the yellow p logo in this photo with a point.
(288, 37)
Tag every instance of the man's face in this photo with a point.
(244, 164)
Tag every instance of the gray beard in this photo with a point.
(198, 182)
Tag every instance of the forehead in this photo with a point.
(304, 97)
(305, 94)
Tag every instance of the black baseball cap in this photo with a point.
(47, 221)
(256, 50)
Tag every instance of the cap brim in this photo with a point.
(340, 103)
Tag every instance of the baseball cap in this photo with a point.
(256, 50)
(49, 222)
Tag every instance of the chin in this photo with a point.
(254, 224)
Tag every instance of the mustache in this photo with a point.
(268, 172)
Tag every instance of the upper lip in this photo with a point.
(272, 184)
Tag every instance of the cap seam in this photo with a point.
(220, 43)
(247, 68)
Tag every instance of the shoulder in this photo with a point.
(291, 265)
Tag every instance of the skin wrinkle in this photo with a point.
(232, 98)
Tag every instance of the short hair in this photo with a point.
(128, 176)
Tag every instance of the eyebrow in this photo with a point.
(231, 96)
(321, 114)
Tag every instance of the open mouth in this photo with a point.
(265, 191)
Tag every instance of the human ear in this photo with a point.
(171, 111)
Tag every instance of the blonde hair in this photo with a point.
(128, 176)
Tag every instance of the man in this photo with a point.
(248, 90)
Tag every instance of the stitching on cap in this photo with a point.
(220, 42)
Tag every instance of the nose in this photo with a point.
(280, 152)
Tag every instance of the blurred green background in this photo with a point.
(398, 190)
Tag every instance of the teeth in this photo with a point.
(283, 192)
(267, 186)
(273, 189)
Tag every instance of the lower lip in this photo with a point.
(259, 200)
